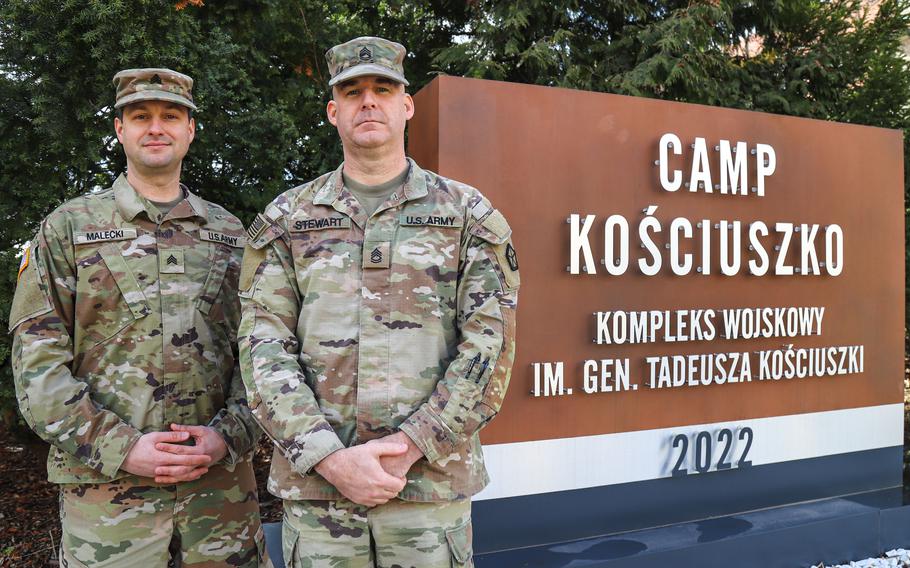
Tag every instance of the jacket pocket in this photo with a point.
(212, 286)
(262, 555)
(289, 538)
(110, 296)
(461, 545)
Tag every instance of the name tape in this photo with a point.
(429, 221)
(215, 237)
(323, 223)
(86, 237)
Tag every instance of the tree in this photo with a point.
(827, 59)
(835, 60)
(261, 88)
(261, 79)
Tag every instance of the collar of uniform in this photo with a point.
(331, 189)
(128, 199)
(131, 203)
(415, 186)
(197, 204)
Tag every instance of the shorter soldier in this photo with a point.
(124, 325)
(377, 337)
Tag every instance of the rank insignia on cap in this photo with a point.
(153, 84)
(365, 56)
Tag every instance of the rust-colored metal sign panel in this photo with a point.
(542, 154)
(712, 302)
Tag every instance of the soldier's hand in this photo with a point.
(207, 442)
(144, 458)
(398, 465)
(358, 475)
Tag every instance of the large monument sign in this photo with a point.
(711, 317)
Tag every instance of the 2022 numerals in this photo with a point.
(705, 447)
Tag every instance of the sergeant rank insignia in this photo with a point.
(171, 262)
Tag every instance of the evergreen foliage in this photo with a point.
(261, 79)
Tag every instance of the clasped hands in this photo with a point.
(160, 454)
(370, 474)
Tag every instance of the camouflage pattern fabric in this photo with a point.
(153, 84)
(123, 326)
(354, 328)
(131, 522)
(124, 322)
(366, 56)
(342, 534)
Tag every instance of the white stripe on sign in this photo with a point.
(544, 466)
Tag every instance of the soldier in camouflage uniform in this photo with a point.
(124, 355)
(377, 337)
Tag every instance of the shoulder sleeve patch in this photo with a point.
(508, 263)
(30, 299)
(252, 258)
(262, 231)
(493, 228)
(257, 227)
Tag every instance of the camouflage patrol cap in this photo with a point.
(153, 84)
(366, 56)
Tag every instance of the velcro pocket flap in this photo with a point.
(460, 542)
(493, 228)
(213, 282)
(30, 299)
(125, 280)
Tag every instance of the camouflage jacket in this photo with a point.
(123, 325)
(356, 328)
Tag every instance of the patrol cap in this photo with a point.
(366, 56)
(153, 84)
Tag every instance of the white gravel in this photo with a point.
(898, 558)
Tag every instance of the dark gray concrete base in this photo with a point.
(562, 516)
(831, 531)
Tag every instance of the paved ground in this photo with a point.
(899, 558)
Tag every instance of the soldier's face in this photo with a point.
(370, 112)
(155, 135)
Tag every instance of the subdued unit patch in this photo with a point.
(31, 300)
(252, 258)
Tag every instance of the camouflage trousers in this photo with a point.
(207, 523)
(400, 534)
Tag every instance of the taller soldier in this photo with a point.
(124, 359)
(377, 337)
